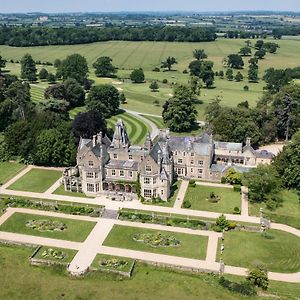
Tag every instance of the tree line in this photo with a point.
(29, 36)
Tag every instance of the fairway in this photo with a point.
(136, 128)
(198, 197)
(37, 93)
(36, 180)
(76, 231)
(192, 246)
(280, 253)
(8, 170)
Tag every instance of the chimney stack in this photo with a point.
(94, 140)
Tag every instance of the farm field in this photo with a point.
(8, 170)
(76, 231)
(279, 251)
(198, 197)
(148, 55)
(36, 180)
(192, 246)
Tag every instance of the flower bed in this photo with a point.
(157, 240)
(46, 225)
(113, 263)
(53, 254)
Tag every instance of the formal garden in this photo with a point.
(50, 227)
(215, 199)
(8, 170)
(36, 180)
(61, 191)
(56, 255)
(277, 250)
(149, 240)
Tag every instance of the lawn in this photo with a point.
(76, 231)
(198, 197)
(8, 170)
(136, 128)
(37, 93)
(288, 213)
(280, 252)
(61, 191)
(20, 280)
(36, 180)
(158, 121)
(68, 254)
(192, 246)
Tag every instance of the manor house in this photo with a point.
(117, 167)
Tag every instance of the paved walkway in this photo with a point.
(17, 177)
(213, 184)
(54, 187)
(245, 202)
(181, 193)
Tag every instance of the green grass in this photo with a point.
(136, 129)
(76, 231)
(36, 180)
(61, 191)
(20, 280)
(192, 246)
(69, 254)
(288, 212)
(126, 268)
(280, 254)
(37, 93)
(8, 170)
(158, 121)
(199, 195)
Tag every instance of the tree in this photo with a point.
(123, 99)
(221, 74)
(43, 74)
(263, 183)
(74, 66)
(195, 85)
(179, 112)
(169, 62)
(51, 78)
(28, 68)
(203, 70)
(105, 99)
(154, 86)
(253, 73)
(233, 177)
(57, 63)
(74, 93)
(245, 51)
(57, 91)
(259, 44)
(222, 222)
(229, 74)
(199, 54)
(87, 124)
(276, 79)
(137, 76)
(104, 67)
(258, 276)
(260, 54)
(235, 61)
(208, 78)
(2, 63)
(239, 77)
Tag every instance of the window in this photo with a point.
(147, 180)
(142, 158)
(192, 162)
(96, 175)
(121, 173)
(183, 153)
(115, 155)
(91, 163)
(192, 170)
(176, 152)
(113, 172)
(130, 157)
(97, 187)
(192, 154)
(89, 175)
(90, 187)
(130, 173)
(162, 192)
(200, 162)
(148, 169)
(154, 180)
(180, 160)
(200, 171)
(147, 193)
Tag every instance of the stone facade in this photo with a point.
(117, 167)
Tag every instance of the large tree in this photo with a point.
(245, 51)
(2, 63)
(137, 76)
(74, 93)
(169, 62)
(276, 79)
(235, 61)
(199, 54)
(179, 112)
(105, 99)
(104, 67)
(28, 68)
(74, 66)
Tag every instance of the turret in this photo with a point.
(248, 141)
(120, 139)
(148, 142)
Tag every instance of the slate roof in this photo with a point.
(229, 146)
(123, 164)
(264, 154)
(222, 168)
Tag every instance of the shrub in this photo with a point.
(185, 71)
(231, 226)
(236, 188)
(222, 222)
(187, 204)
(245, 288)
(258, 276)
(223, 180)
(156, 69)
(236, 210)
(246, 88)
(192, 183)
(165, 81)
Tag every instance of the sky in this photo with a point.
(9, 6)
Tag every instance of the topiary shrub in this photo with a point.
(192, 183)
(187, 204)
(223, 180)
(165, 81)
(236, 188)
(236, 210)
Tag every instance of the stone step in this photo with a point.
(110, 214)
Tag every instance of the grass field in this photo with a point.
(61, 191)
(159, 122)
(37, 93)
(67, 259)
(19, 280)
(192, 246)
(288, 212)
(8, 170)
(76, 231)
(199, 195)
(281, 253)
(136, 129)
(36, 180)
(147, 55)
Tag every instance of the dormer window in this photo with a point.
(130, 157)
(91, 163)
(148, 169)
(115, 156)
(183, 153)
(192, 154)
